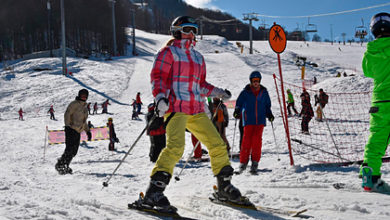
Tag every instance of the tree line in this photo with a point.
(24, 24)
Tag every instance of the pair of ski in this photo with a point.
(243, 204)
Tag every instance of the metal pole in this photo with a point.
(133, 33)
(276, 144)
(63, 38)
(250, 37)
(285, 112)
(105, 183)
(113, 27)
(49, 27)
(201, 29)
(234, 137)
(331, 33)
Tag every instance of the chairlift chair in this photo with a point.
(310, 28)
(361, 31)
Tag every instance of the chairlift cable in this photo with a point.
(327, 14)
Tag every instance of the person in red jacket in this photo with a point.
(138, 102)
(51, 111)
(21, 114)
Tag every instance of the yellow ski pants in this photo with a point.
(203, 129)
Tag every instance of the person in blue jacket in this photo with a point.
(254, 106)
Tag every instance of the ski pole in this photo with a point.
(177, 178)
(234, 136)
(273, 131)
(105, 183)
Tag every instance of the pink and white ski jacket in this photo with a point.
(179, 74)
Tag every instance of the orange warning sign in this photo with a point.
(277, 38)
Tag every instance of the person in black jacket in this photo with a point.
(113, 138)
(306, 113)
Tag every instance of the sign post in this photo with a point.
(278, 41)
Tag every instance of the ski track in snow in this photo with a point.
(30, 188)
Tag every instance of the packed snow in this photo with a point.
(30, 188)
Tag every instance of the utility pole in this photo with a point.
(49, 27)
(63, 39)
(250, 17)
(113, 27)
(331, 33)
(133, 32)
(201, 28)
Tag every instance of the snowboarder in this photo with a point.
(321, 100)
(156, 132)
(113, 138)
(306, 113)
(105, 106)
(376, 65)
(89, 108)
(95, 108)
(290, 103)
(51, 111)
(138, 102)
(184, 104)
(75, 118)
(254, 106)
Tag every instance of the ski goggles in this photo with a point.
(255, 80)
(186, 28)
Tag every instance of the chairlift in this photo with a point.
(263, 25)
(361, 31)
(310, 28)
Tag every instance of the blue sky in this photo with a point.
(340, 23)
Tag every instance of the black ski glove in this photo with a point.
(237, 113)
(270, 117)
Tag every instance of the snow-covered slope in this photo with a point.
(31, 189)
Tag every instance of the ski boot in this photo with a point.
(226, 191)
(241, 168)
(254, 167)
(62, 166)
(373, 183)
(154, 196)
